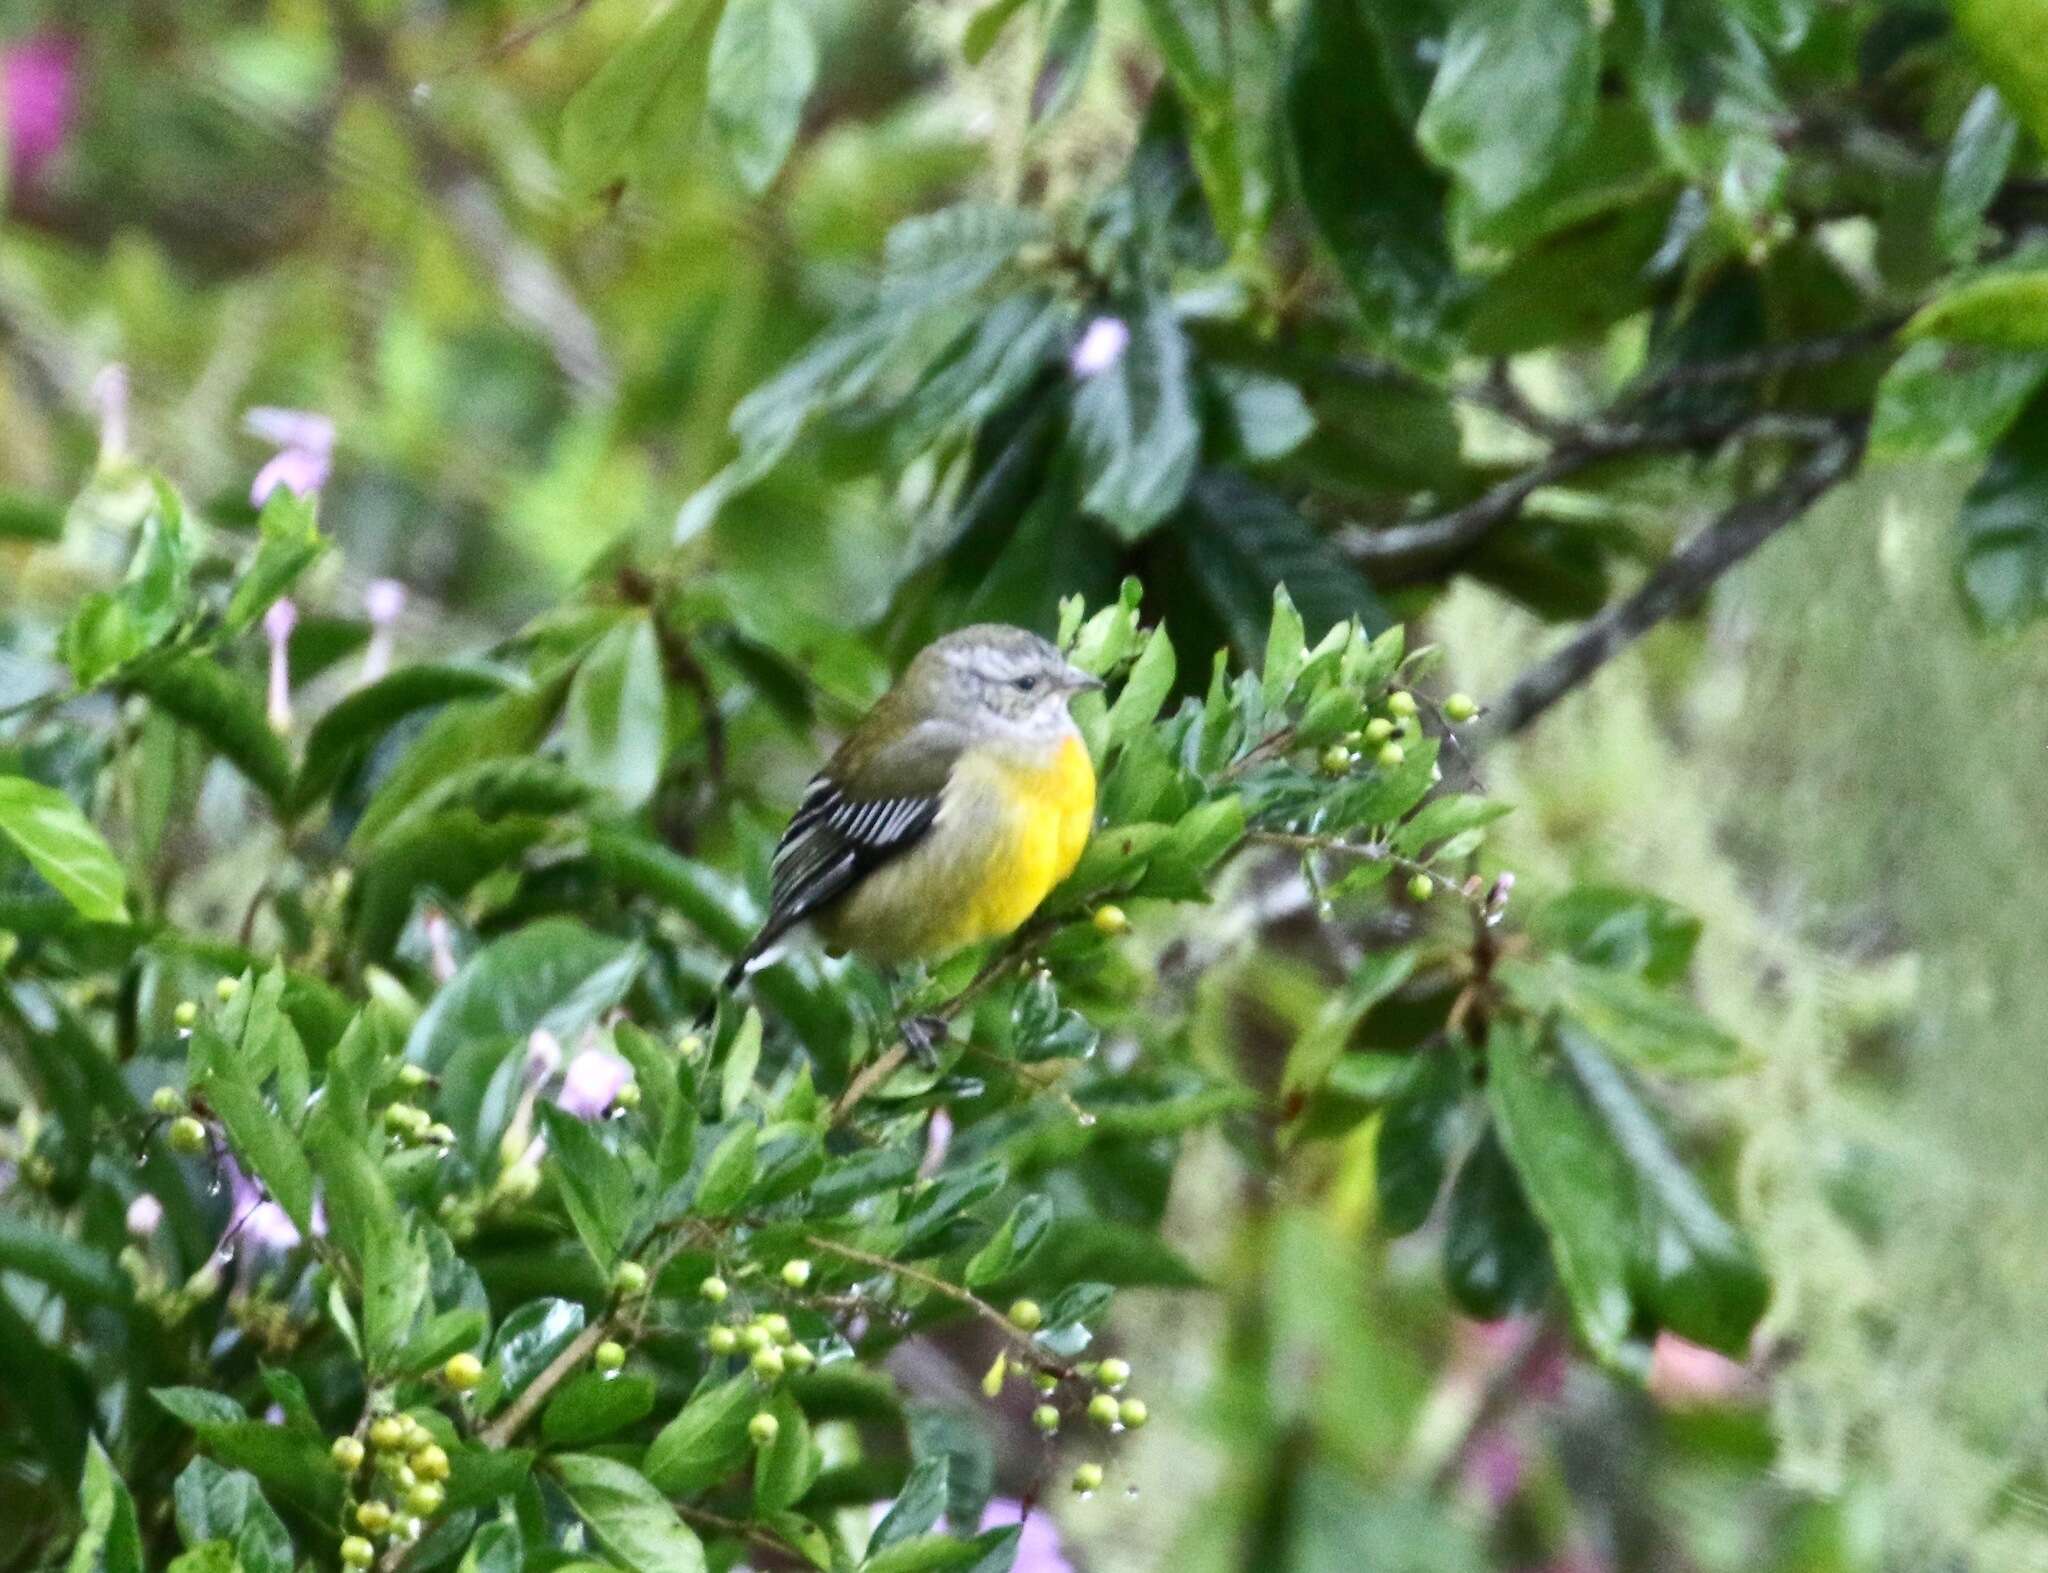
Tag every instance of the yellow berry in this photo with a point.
(1046, 1418)
(1133, 1413)
(1087, 1478)
(425, 1498)
(387, 1432)
(776, 1326)
(416, 1435)
(185, 1013)
(1390, 755)
(1044, 1381)
(1025, 1314)
(413, 1077)
(799, 1357)
(374, 1516)
(167, 1100)
(358, 1552)
(227, 988)
(1103, 1409)
(1336, 760)
(187, 1136)
(628, 1095)
(431, 1462)
(1113, 1373)
(796, 1272)
(1110, 921)
(1460, 707)
(609, 1355)
(767, 1362)
(754, 1338)
(763, 1429)
(714, 1289)
(1401, 703)
(463, 1372)
(1378, 729)
(630, 1278)
(721, 1340)
(689, 1046)
(347, 1454)
(1421, 888)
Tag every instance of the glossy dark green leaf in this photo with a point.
(205, 696)
(1134, 428)
(213, 1503)
(1419, 1131)
(2000, 310)
(1952, 401)
(2004, 527)
(1978, 158)
(554, 975)
(1496, 1257)
(729, 1171)
(109, 1538)
(1513, 95)
(264, 1142)
(615, 724)
(707, 1441)
(594, 1405)
(950, 1194)
(632, 1521)
(464, 733)
(786, 1467)
(1650, 1027)
(763, 62)
(346, 733)
(62, 846)
(1317, 1051)
(528, 1338)
(596, 1188)
(1010, 1248)
(444, 1334)
(917, 1506)
(1621, 929)
(480, 1475)
(1377, 205)
(288, 543)
(642, 104)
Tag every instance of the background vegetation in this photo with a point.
(460, 467)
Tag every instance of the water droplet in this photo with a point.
(1130, 1493)
(1084, 1119)
(214, 1188)
(1087, 1496)
(142, 1159)
(618, 1112)
(422, 91)
(1325, 909)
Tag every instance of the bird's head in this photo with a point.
(994, 678)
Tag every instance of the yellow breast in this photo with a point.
(1051, 811)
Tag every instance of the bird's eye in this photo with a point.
(1023, 685)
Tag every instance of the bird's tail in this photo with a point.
(735, 975)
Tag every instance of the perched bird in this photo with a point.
(949, 812)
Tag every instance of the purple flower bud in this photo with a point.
(383, 600)
(110, 393)
(305, 444)
(543, 1054)
(1102, 345)
(38, 101)
(144, 1214)
(592, 1082)
(278, 624)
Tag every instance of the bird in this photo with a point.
(948, 813)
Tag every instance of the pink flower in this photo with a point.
(591, 1083)
(278, 624)
(257, 1224)
(1038, 1549)
(1493, 1469)
(305, 451)
(543, 1054)
(1685, 1375)
(38, 101)
(145, 1213)
(383, 601)
(1101, 346)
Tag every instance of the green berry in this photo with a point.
(721, 1340)
(628, 1095)
(400, 1116)
(776, 1326)
(1026, 1314)
(425, 1498)
(799, 1357)
(463, 1372)
(796, 1272)
(404, 1476)
(430, 1462)
(1046, 1418)
(630, 1278)
(1044, 1381)
(1421, 888)
(609, 1355)
(1336, 760)
(763, 1429)
(689, 1045)
(188, 1136)
(185, 1012)
(441, 1135)
(374, 1516)
(1110, 920)
(1391, 755)
(714, 1289)
(227, 988)
(1113, 1373)
(1460, 707)
(1378, 729)
(1133, 1413)
(767, 1363)
(1103, 1409)
(347, 1454)
(1401, 704)
(413, 1077)
(387, 1432)
(358, 1552)
(167, 1100)
(754, 1338)
(1087, 1478)
(520, 1182)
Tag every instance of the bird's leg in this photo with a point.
(921, 1033)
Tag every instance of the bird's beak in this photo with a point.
(1080, 682)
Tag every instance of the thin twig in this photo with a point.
(1683, 577)
(1363, 851)
(502, 1430)
(1772, 359)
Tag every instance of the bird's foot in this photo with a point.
(922, 1035)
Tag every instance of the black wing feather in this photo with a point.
(832, 842)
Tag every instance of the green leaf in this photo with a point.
(1317, 1050)
(1693, 1270)
(497, 1548)
(263, 1141)
(2004, 526)
(596, 1188)
(110, 1540)
(1041, 1028)
(363, 1217)
(1268, 416)
(1999, 310)
(641, 105)
(615, 725)
(1145, 690)
(742, 1058)
(444, 1334)
(1133, 426)
(481, 1475)
(595, 1404)
(1418, 1133)
(289, 542)
(728, 1172)
(1441, 818)
(634, 1522)
(463, 734)
(1619, 929)
(553, 975)
(941, 1553)
(1975, 168)
(917, 1506)
(985, 27)
(1513, 95)
(1011, 1246)
(2001, 33)
(61, 845)
(1577, 1183)
(1951, 401)
(527, 1340)
(786, 1467)
(203, 695)
(200, 1408)
(344, 736)
(1286, 649)
(227, 1504)
(1376, 204)
(1644, 1024)
(707, 1441)
(1496, 1259)
(763, 63)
